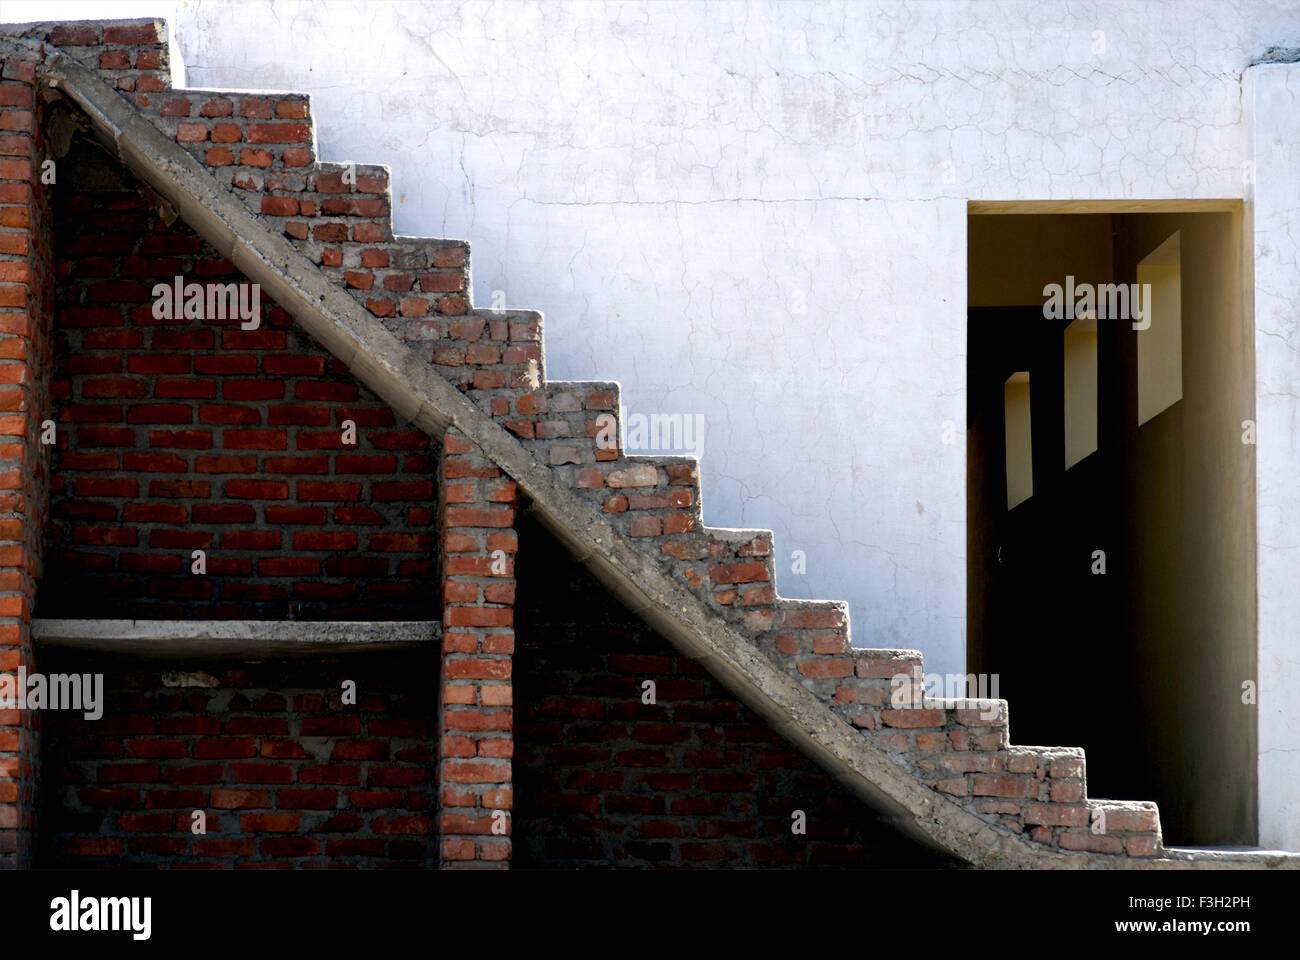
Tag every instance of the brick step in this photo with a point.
(625, 472)
(1040, 791)
(580, 417)
(416, 273)
(984, 714)
(882, 679)
(813, 618)
(644, 497)
(722, 564)
(885, 663)
(810, 639)
(486, 351)
(1133, 823)
(256, 141)
(341, 179)
(591, 409)
(732, 571)
(652, 512)
(1020, 786)
(130, 55)
(729, 570)
(1063, 765)
(418, 289)
(322, 193)
(871, 689)
(1121, 827)
(740, 568)
(262, 146)
(334, 204)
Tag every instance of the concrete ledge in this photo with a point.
(1172, 205)
(216, 639)
(1235, 857)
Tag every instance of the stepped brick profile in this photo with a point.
(447, 499)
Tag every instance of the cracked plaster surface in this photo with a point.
(1272, 133)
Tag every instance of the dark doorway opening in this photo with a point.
(1110, 502)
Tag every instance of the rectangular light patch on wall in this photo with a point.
(1160, 344)
(1020, 442)
(1080, 389)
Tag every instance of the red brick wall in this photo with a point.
(476, 512)
(694, 780)
(131, 54)
(286, 774)
(26, 295)
(177, 435)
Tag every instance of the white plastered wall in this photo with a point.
(1272, 98)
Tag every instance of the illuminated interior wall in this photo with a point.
(1019, 439)
(1079, 356)
(1166, 403)
(1191, 521)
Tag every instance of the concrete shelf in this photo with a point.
(248, 639)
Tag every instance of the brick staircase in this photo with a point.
(260, 147)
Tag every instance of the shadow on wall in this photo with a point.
(694, 779)
(283, 773)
